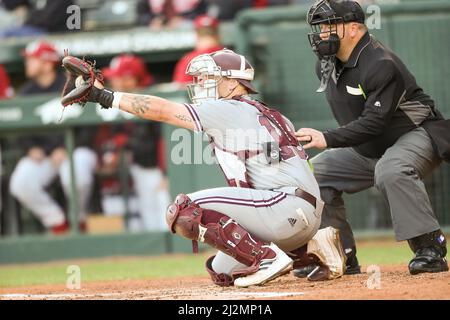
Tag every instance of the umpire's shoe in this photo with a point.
(352, 267)
(429, 253)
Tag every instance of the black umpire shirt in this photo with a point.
(375, 100)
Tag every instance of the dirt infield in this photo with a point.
(394, 283)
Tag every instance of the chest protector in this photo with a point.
(284, 147)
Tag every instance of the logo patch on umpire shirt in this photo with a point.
(354, 91)
(292, 221)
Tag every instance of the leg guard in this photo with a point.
(217, 230)
(221, 279)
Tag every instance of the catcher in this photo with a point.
(268, 218)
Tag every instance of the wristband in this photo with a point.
(116, 100)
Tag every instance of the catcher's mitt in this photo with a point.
(79, 86)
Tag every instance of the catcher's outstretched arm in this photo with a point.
(85, 84)
(155, 108)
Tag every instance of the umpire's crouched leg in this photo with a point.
(398, 175)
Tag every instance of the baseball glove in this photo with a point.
(79, 87)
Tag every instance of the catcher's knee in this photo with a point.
(183, 217)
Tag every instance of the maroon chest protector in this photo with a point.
(285, 147)
(286, 139)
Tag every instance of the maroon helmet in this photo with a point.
(207, 69)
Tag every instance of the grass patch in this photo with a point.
(370, 252)
(388, 254)
(103, 269)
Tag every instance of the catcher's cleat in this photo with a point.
(269, 269)
(326, 245)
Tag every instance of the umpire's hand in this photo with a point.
(314, 138)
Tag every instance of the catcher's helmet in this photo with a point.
(331, 13)
(208, 69)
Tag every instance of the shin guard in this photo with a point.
(217, 230)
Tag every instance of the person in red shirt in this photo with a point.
(6, 91)
(208, 40)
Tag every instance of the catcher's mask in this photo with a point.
(324, 16)
(208, 70)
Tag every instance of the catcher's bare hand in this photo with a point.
(314, 138)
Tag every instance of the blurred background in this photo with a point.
(86, 183)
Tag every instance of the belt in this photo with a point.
(306, 196)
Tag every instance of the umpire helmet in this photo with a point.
(331, 13)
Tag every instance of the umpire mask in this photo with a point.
(324, 16)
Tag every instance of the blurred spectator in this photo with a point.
(169, 13)
(301, 2)
(6, 91)
(226, 10)
(129, 73)
(12, 17)
(43, 154)
(85, 164)
(269, 3)
(41, 68)
(110, 143)
(42, 16)
(208, 40)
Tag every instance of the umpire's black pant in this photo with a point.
(397, 174)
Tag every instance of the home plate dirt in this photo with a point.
(393, 282)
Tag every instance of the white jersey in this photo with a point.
(245, 145)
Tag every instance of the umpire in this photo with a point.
(389, 134)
